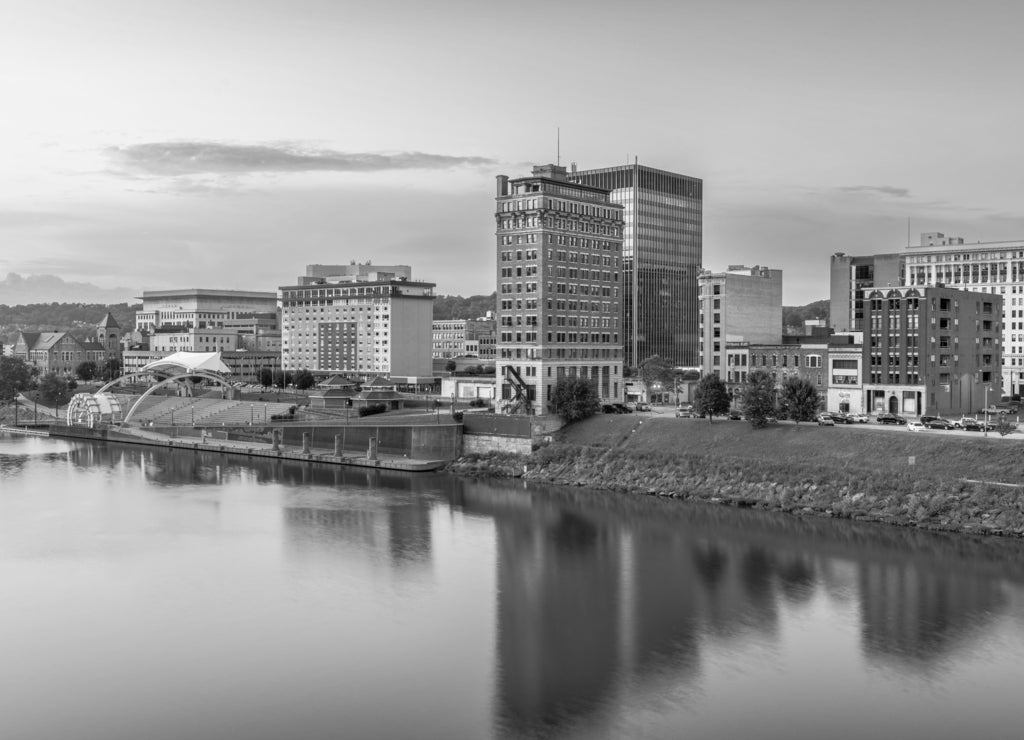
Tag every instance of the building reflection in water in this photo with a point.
(603, 597)
(600, 595)
(395, 526)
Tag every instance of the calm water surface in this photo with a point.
(149, 594)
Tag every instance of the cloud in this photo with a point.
(177, 158)
(877, 190)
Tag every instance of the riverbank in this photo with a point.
(955, 484)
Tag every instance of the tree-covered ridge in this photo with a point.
(793, 317)
(78, 318)
(456, 307)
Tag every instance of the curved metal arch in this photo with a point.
(204, 374)
(129, 376)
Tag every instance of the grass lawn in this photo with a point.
(935, 454)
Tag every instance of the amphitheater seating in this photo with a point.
(240, 413)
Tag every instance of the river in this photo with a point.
(157, 594)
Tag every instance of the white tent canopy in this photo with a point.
(189, 362)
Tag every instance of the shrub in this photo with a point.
(575, 398)
(373, 408)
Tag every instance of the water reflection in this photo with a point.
(598, 594)
(581, 607)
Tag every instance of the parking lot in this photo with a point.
(870, 426)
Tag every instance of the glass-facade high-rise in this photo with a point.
(662, 254)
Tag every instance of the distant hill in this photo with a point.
(15, 289)
(78, 318)
(793, 317)
(457, 307)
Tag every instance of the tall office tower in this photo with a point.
(662, 255)
(559, 277)
(742, 304)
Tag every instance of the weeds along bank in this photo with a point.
(941, 483)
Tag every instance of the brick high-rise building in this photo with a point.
(559, 277)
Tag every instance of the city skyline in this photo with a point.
(152, 146)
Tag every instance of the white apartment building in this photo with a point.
(364, 322)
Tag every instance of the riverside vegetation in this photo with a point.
(927, 480)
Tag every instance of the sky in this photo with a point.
(228, 143)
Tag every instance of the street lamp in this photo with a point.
(986, 410)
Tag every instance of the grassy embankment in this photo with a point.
(927, 480)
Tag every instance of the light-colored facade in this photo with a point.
(662, 252)
(464, 338)
(201, 308)
(364, 323)
(245, 366)
(940, 260)
(741, 304)
(559, 278)
(193, 340)
(846, 374)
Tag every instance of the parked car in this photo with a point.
(926, 419)
(684, 411)
(972, 425)
(938, 423)
(915, 426)
(736, 416)
(825, 420)
(623, 408)
(842, 418)
(890, 419)
(860, 418)
(641, 406)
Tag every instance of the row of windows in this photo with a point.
(508, 337)
(551, 204)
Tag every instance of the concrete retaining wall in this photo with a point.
(485, 443)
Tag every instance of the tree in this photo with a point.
(711, 396)
(266, 378)
(575, 398)
(53, 390)
(304, 379)
(282, 378)
(86, 370)
(655, 370)
(759, 398)
(111, 369)
(15, 376)
(449, 367)
(799, 399)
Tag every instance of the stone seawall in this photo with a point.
(909, 500)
